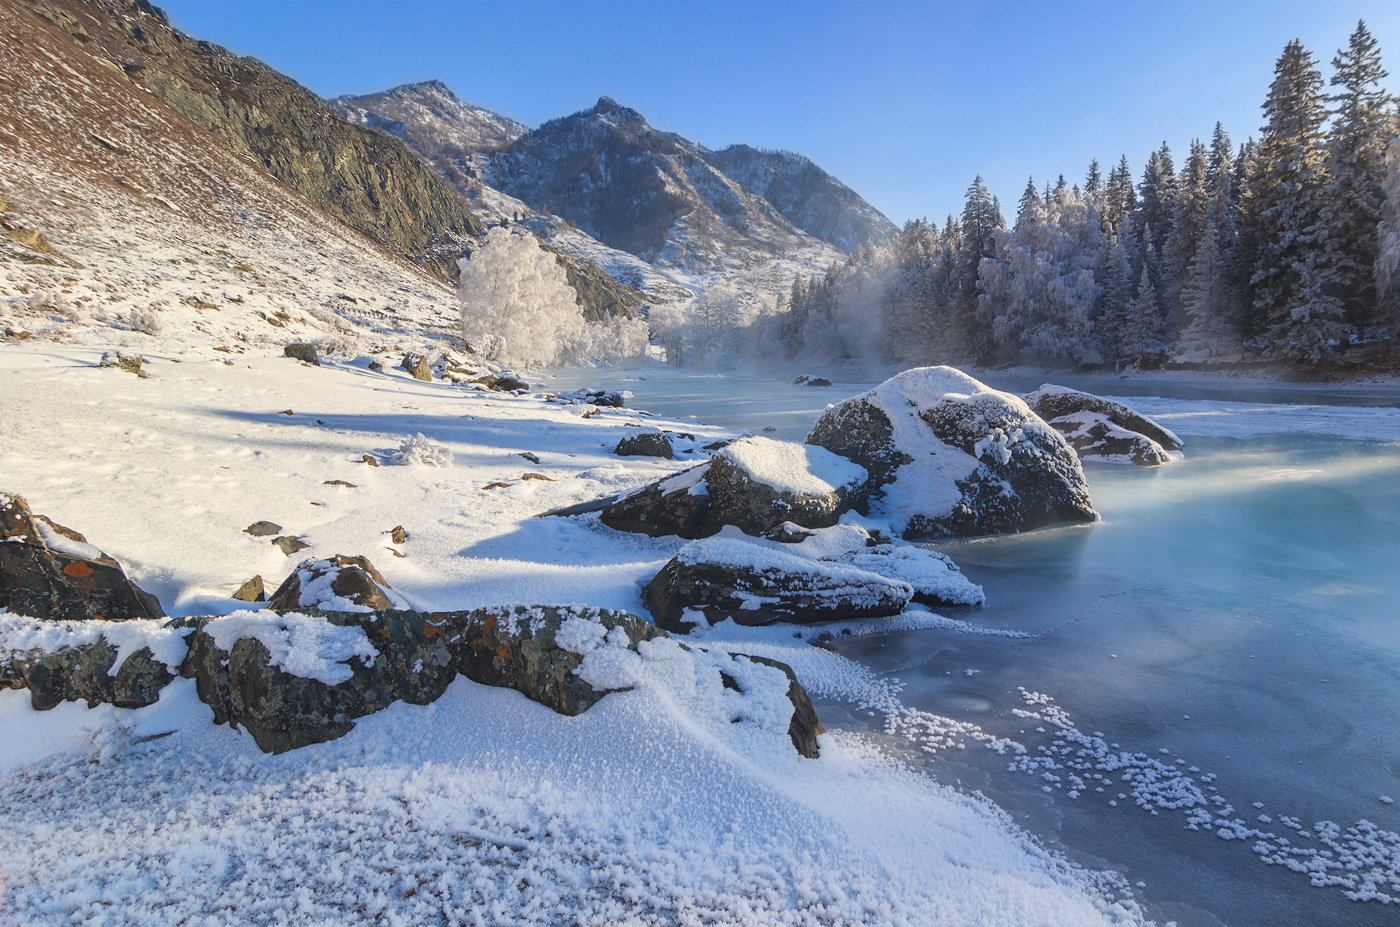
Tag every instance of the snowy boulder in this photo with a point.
(950, 457)
(608, 398)
(645, 442)
(1098, 427)
(306, 353)
(677, 505)
(338, 584)
(757, 484)
(730, 577)
(417, 366)
(934, 577)
(51, 572)
(754, 484)
(124, 663)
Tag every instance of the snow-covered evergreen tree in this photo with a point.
(517, 307)
(1115, 276)
(1039, 292)
(1189, 209)
(1388, 248)
(1208, 300)
(981, 221)
(1144, 323)
(1288, 285)
(1356, 147)
(1121, 199)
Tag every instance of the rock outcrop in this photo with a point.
(754, 484)
(338, 583)
(1102, 428)
(306, 353)
(297, 678)
(950, 457)
(49, 571)
(729, 577)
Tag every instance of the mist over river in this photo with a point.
(1218, 658)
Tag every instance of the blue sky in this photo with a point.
(905, 102)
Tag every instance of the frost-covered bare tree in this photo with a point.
(517, 307)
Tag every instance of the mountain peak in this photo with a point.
(616, 112)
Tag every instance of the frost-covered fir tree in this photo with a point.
(1356, 147)
(517, 307)
(1120, 199)
(1388, 247)
(1153, 218)
(1039, 292)
(1142, 331)
(1115, 276)
(1304, 322)
(981, 221)
(1189, 208)
(1208, 300)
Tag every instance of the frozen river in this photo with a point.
(1224, 648)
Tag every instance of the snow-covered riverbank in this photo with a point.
(483, 807)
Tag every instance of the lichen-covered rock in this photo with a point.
(729, 577)
(754, 484)
(49, 571)
(518, 647)
(306, 353)
(950, 457)
(1102, 428)
(417, 365)
(645, 442)
(339, 583)
(123, 663)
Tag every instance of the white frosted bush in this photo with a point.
(518, 308)
(420, 449)
(146, 321)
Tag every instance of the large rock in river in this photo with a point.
(754, 484)
(49, 571)
(1099, 427)
(950, 457)
(731, 577)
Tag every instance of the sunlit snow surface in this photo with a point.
(487, 808)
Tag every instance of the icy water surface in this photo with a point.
(1224, 648)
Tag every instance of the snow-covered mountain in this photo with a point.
(806, 195)
(432, 119)
(650, 207)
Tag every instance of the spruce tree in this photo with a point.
(1188, 226)
(1093, 185)
(1030, 206)
(981, 220)
(1111, 317)
(1288, 284)
(1120, 199)
(1351, 204)
(1207, 299)
(1153, 217)
(1388, 257)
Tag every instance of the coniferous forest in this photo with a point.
(1284, 248)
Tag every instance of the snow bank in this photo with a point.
(308, 646)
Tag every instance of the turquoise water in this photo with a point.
(1238, 611)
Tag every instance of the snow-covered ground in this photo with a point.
(483, 807)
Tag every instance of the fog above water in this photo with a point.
(1238, 610)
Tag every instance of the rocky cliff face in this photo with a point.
(371, 182)
(806, 195)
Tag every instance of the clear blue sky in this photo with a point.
(905, 102)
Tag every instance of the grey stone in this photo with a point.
(352, 578)
(645, 444)
(58, 579)
(306, 353)
(417, 365)
(251, 591)
(262, 529)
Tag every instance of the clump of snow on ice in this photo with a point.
(308, 646)
(801, 469)
(420, 449)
